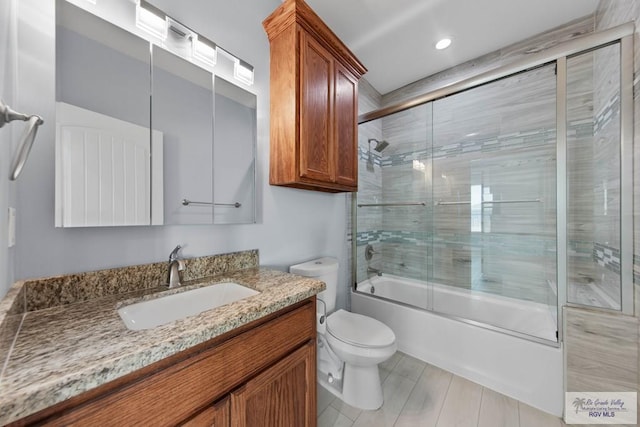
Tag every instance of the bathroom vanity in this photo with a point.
(251, 362)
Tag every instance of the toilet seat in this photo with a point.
(358, 330)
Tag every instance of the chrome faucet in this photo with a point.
(176, 265)
(374, 270)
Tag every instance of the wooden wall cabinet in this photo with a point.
(263, 374)
(314, 102)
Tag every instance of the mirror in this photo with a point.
(182, 110)
(102, 123)
(186, 157)
(234, 154)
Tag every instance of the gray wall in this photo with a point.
(293, 225)
(7, 133)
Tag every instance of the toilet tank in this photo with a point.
(326, 270)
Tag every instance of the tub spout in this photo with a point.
(374, 270)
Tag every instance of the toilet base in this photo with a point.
(361, 387)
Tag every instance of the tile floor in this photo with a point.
(419, 394)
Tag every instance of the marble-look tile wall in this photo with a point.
(580, 200)
(369, 180)
(609, 14)
(503, 140)
(601, 351)
(495, 136)
(478, 136)
(593, 199)
(409, 138)
(612, 370)
(405, 245)
(606, 176)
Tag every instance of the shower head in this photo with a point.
(380, 145)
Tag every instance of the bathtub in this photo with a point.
(525, 369)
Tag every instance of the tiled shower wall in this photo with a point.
(620, 333)
(369, 176)
(593, 165)
(495, 136)
(609, 14)
(606, 173)
(403, 236)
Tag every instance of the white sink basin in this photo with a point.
(156, 312)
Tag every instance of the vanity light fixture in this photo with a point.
(154, 21)
(443, 43)
(151, 19)
(243, 72)
(204, 50)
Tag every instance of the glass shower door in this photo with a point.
(593, 179)
(394, 207)
(494, 192)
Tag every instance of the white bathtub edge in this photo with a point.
(524, 370)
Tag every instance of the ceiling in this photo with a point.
(395, 38)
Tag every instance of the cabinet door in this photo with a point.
(317, 156)
(214, 416)
(283, 395)
(345, 126)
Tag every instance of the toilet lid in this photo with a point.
(359, 330)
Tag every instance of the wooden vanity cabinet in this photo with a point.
(217, 415)
(261, 374)
(314, 102)
(271, 398)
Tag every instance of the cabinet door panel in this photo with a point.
(346, 123)
(316, 91)
(217, 415)
(283, 395)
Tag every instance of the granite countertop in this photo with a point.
(65, 350)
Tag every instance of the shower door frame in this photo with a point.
(622, 34)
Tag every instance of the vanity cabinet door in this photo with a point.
(283, 395)
(214, 416)
(345, 119)
(317, 148)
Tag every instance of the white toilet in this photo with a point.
(350, 345)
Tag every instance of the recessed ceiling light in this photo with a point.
(443, 44)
